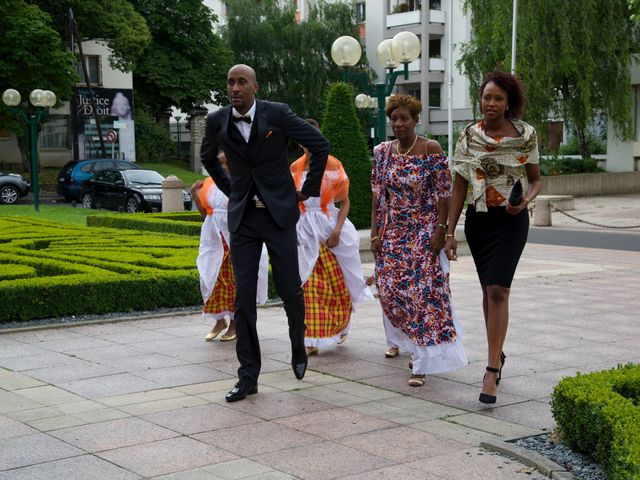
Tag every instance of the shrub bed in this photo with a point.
(186, 223)
(52, 270)
(599, 414)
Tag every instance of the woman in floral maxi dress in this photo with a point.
(411, 185)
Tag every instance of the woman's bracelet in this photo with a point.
(373, 239)
(443, 225)
(450, 235)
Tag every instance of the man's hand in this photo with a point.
(301, 197)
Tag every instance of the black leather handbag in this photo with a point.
(515, 197)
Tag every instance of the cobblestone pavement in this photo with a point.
(145, 398)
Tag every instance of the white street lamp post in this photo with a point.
(42, 100)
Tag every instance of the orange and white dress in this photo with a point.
(332, 278)
(217, 283)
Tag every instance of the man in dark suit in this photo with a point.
(263, 208)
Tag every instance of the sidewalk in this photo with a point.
(145, 398)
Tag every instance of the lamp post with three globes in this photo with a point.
(42, 100)
(404, 48)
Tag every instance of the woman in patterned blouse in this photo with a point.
(489, 159)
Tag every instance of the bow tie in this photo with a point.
(242, 118)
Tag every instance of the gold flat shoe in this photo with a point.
(312, 351)
(417, 380)
(392, 352)
(343, 338)
(227, 338)
(214, 332)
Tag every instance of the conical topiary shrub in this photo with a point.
(341, 126)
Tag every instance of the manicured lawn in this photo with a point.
(178, 169)
(52, 213)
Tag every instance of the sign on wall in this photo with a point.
(114, 106)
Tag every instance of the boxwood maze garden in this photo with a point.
(51, 270)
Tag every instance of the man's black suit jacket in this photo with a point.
(262, 163)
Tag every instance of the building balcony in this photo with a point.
(404, 18)
(414, 66)
(437, 16)
(437, 65)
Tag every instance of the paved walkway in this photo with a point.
(145, 398)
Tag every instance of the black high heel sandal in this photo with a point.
(503, 357)
(485, 397)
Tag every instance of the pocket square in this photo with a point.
(269, 133)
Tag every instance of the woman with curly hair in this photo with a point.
(489, 159)
(411, 186)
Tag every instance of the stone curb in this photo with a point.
(100, 321)
(543, 465)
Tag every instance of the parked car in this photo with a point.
(12, 187)
(129, 190)
(75, 173)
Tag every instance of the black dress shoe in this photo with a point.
(239, 393)
(299, 368)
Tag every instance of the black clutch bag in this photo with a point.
(515, 197)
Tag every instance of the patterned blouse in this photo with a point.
(493, 165)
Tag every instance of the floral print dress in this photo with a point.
(413, 282)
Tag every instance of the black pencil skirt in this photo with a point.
(496, 240)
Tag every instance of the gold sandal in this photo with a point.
(417, 380)
(312, 351)
(392, 352)
(343, 338)
(227, 338)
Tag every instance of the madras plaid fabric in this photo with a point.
(326, 298)
(223, 298)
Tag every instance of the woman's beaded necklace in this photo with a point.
(415, 139)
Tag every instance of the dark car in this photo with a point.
(12, 187)
(129, 190)
(75, 173)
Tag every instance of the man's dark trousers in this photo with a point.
(246, 246)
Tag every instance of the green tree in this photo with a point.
(573, 57)
(340, 125)
(24, 66)
(292, 60)
(186, 61)
(115, 22)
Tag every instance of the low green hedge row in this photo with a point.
(80, 270)
(599, 414)
(187, 223)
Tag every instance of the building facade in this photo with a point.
(70, 131)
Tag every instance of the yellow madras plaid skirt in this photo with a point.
(326, 298)
(223, 298)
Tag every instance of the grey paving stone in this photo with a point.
(163, 405)
(326, 460)
(402, 444)
(12, 402)
(11, 428)
(76, 370)
(48, 395)
(13, 349)
(55, 423)
(532, 414)
(475, 463)
(45, 359)
(110, 385)
(16, 381)
(494, 426)
(194, 474)
(166, 456)
(85, 467)
(236, 469)
(30, 449)
(73, 343)
(256, 438)
(270, 406)
(395, 472)
(181, 375)
(355, 369)
(336, 423)
(124, 432)
(202, 418)
(146, 361)
(102, 354)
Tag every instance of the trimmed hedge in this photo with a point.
(187, 223)
(599, 414)
(80, 270)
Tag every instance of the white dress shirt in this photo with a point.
(244, 127)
